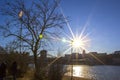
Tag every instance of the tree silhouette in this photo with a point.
(27, 21)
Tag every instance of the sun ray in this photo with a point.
(85, 36)
(67, 36)
(97, 59)
(67, 50)
(67, 23)
(76, 42)
(81, 34)
(57, 58)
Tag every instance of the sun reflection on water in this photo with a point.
(77, 71)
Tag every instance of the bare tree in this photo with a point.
(31, 22)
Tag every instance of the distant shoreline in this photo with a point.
(94, 64)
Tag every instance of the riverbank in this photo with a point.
(64, 78)
(74, 78)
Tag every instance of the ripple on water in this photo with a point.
(95, 72)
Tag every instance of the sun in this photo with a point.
(76, 43)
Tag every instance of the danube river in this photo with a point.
(94, 72)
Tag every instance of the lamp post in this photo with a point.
(20, 17)
(71, 61)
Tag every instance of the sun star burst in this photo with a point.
(77, 43)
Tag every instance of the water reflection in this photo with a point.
(77, 71)
(94, 72)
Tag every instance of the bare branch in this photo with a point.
(41, 17)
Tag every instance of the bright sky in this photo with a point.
(101, 18)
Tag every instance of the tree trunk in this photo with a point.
(36, 65)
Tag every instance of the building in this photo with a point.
(117, 52)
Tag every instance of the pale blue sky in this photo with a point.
(103, 18)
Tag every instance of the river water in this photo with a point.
(94, 72)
